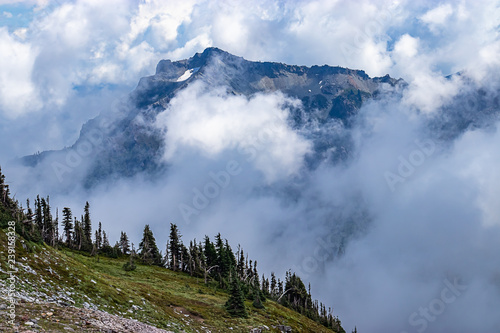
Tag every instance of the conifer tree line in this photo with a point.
(214, 262)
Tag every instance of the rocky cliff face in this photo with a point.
(124, 142)
(334, 91)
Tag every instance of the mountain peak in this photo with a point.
(325, 93)
(196, 61)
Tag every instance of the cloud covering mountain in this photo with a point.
(399, 235)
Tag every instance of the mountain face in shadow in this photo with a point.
(124, 142)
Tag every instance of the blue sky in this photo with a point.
(16, 15)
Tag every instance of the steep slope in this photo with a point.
(62, 290)
(59, 289)
(124, 142)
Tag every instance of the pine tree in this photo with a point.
(255, 274)
(265, 286)
(105, 241)
(5, 199)
(185, 258)
(55, 236)
(194, 256)
(98, 237)
(229, 256)
(210, 252)
(240, 268)
(274, 290)
(87, 228)
(47, 226)
(2, 188)
(297, 296)
(67, 224)
(175, 247)
(130, 265)
(29, 218)
(39, 215)
(124, 243)
(257, 299)
(106, 248)
(148, 250)
(116, 250)
(77, 235)
(220, 261)
(235, 305)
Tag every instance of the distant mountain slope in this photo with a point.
(124, 142)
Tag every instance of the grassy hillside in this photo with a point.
(173, 301)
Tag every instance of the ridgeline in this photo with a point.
(76, 282)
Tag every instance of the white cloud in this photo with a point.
(437, 16)
(115, 43)
(18, 94)
(406, 46)
(213, 122)
(83, 44)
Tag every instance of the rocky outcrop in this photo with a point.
(50, 317)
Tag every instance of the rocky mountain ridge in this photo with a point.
(125, 142)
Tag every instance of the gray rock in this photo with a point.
(285, 329)
(121, 145)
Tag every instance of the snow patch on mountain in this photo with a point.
(187, 74)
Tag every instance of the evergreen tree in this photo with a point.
(98, 237)
(106, 248)
(240, 268)
(2, 188)
(42, 226)
(48, 222)
(225, 258)
(5, 199)
(221, 257)
(210, 253)
(105, 241)
(175, 247)
(124, 243)
(39, 214)
(77, 235)
(116, 250)
(274, 285)
(235, 305)
(148, 250)
(185, 258)
(28, 222)
(166, 261)
(297, 296)
(67, 224)
(280, 287)
(265, 286)
(229, 256)
(87, 228)
(55, 236)
(257, 299)
(194, 259)
(130, 265)
(255, 274)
